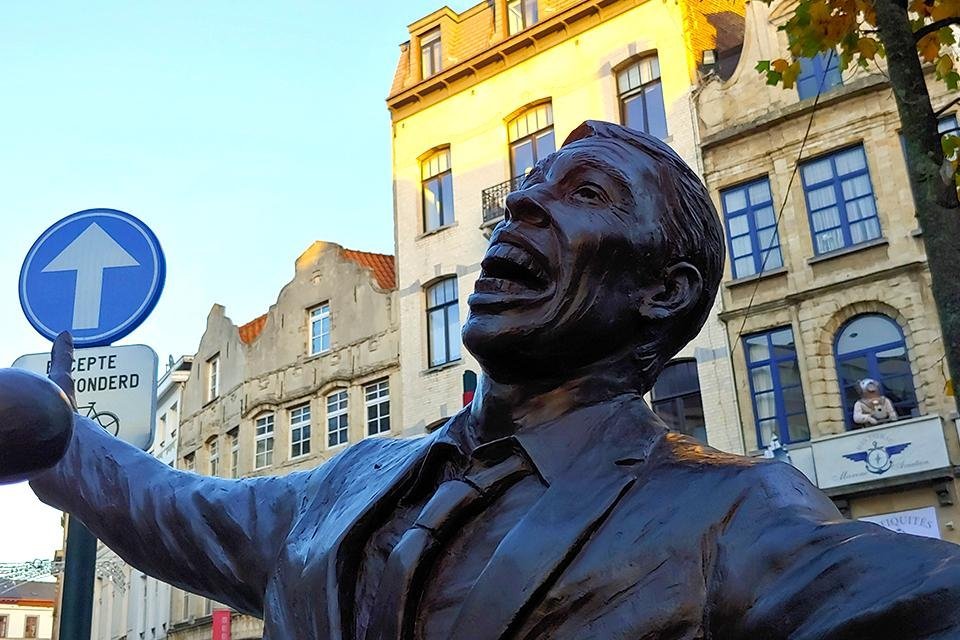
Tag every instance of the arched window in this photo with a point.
(676, 399)
(531, 138)
(443, 322)
(641, 97)
(872, 346)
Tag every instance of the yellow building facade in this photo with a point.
(478, 97)
(827, 283)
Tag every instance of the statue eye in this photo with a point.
(589, 192)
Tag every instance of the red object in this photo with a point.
(221, 624)
(467, 397)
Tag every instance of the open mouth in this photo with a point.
(508, 268)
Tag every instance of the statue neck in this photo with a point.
(499, 410)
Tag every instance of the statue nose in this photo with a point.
(523, 207)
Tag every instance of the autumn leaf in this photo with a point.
(780, 65)
(867, 48)
(929, 47)
(944, 66)
(789, 75)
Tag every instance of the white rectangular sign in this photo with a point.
(891, 450)
(115, 387)
(917, 522)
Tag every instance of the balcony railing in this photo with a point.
(494, 199)
(901, 448)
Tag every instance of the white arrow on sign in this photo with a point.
(89, 254)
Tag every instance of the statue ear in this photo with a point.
(678, 292)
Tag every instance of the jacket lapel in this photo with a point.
(543, 543)
(350, 528)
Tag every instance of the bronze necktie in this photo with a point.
(454, 502)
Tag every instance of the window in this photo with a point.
(186, 605)
(840, 200)
(872, 346)
(4, 620)
(338, 423)
(751, 228)
(948, 125)
(213, 448)
(234, 436)
(818, 74)
(430, 53)
(300, 431)
(377, 399)
(775, 387)
(676, 399)
(531, 138)
(263, 456)
(213, 378)
(320, 329)
(30, 625)
(207, 606)
(443, 322)
(641, 97)
(190, 462)
(521, 14)
(437, 184)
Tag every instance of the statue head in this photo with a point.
(610, 254)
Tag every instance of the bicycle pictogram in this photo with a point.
(109, 421)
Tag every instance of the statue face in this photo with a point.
(563, 279)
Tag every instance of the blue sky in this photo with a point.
(239, 130)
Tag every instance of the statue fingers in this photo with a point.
(61, 363)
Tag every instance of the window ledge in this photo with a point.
(869, 244)
(439, 229)
(441, 367)
(763, 275)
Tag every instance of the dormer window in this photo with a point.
(521, 14)
(430, 53)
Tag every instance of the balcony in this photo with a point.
(494, 200)
(855, 460)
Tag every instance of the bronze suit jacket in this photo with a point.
(641, 533)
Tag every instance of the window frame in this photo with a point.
(342, 431)
(378, 402)
(431, 42)
(4, 626)
(445, 307)
(533, 136)
(819, 68)
(873, 370)
(753, 230)
(641, 90)
(781, 416)
(526, 20)
(836, 181)
(267, 437)
(213, 452)
(315, 317)
(299, 424)
(190, 462)
(443, 177)
(676, 399)
(234, 435)
(27, 626)
(213, 377)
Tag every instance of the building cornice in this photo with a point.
(792, 299)
(505, 54)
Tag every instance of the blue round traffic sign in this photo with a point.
(97, 273)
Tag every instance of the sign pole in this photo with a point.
(79, 574)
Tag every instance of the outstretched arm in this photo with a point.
(211, 536)
(791, 567)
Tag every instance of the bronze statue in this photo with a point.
(557, 505)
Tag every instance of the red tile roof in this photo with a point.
(250, 331)
(382, 266)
